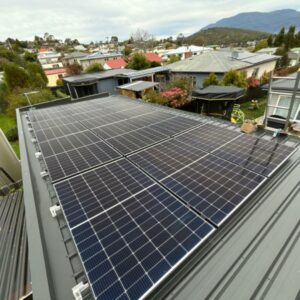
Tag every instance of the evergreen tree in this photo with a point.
(279, 39)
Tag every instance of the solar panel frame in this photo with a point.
(204, 233)
(252, 153)
(184, 187)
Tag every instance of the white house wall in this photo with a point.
(264, 67)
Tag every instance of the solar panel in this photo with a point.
(256, 154)
(58, 131)
(208, 137)
(214, 187)
(166, 158)
(73, 161)
(128, 249)
(136, 140)
(95, 191)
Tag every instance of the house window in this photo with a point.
(255, 72)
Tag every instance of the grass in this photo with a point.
(6, 123)
(253, 114)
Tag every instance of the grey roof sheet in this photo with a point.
(98, 75)
(283, 84)
(220, 62)
(14, 267)
(76, 54)
(212, 61)
(101, 55)
(138, 86)
(259, 257)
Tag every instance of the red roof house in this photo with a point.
(118, 63)
(151, 56)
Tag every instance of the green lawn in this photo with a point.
(254, 113)
(6, 123)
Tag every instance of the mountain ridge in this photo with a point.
(270, 22)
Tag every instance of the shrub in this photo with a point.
(176, 97)
(211, 79)
(12, 134)
(154, 97)
(253, 82)
(95, 67)
(184, 83)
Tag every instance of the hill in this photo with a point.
(270, 22)
(224, 36)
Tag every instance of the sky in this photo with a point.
(95, 20)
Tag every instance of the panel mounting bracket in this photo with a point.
(44, 174)
(54, 210)
(78, 289)
(38, 154)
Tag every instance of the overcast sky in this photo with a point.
(95, 20)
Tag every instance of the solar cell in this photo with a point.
(136, 140)
(208, 137)
(70, 162)
(82, 197)
(166, 158)
(58, 131)
(256, 154)
(213, 186)
(129, 249)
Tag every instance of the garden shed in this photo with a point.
(217, 100)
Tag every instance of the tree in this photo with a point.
(184, 83)
(126, 51)
(279, 39)
(37, 76)
(95, 67)
(180, 39)
(211, 79)
(154, 64)
(15, 76)
(73, 69)
(235, 78)
(30, 57)
(260, 45)
(173, 58)
(114, 40)
(143, 40)
(283, 61)
(289, 39)
(270, 40)
(138, 62)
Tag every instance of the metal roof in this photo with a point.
(15, 280)
(76, 54)
(56, 267)
(211, 61)
(138, 86)
(283, 84)
(100, 55)
(258, 256)
(220, 62)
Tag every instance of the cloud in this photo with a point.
(97, 19)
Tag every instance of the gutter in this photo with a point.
(39, 274)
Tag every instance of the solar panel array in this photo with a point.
(142, 187)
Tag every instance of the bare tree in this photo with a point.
(143, 40)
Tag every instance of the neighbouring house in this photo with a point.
(99, 58)
(50, 60)
(294, 56)
(220, 62)
(270, 50)
(119, 63)
(280, 99)
(185, 52)
(107, 81)
(153, 57)
(54, 74)
(72, 58)
(136, 89)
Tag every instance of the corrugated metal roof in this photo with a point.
(138, 86)
(99, 55)
(220, 62)
(15, 280)
(258, 258)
